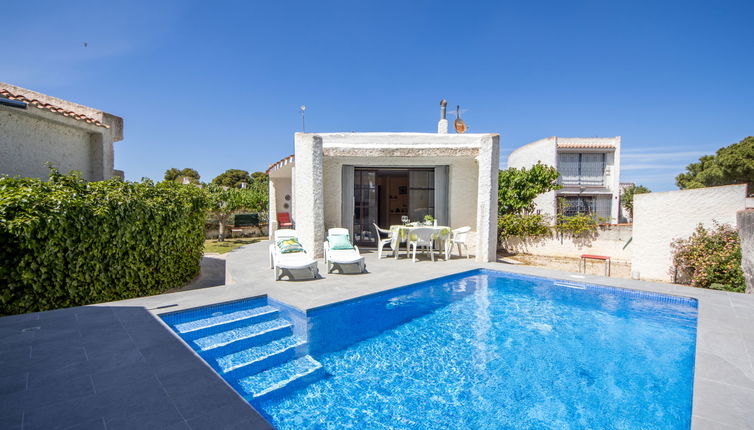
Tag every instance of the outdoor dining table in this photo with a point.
(401, 233)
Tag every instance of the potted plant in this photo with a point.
(429, 220)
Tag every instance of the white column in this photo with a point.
(309, 194)
(489, 165)
(272, 211)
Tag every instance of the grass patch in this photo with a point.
(213, 246)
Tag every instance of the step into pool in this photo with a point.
(479, 349)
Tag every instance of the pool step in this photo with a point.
(245, 336)
(222, 320)
(252, 360)
(292, 374)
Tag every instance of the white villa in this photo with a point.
(356, 180)
(589, 173)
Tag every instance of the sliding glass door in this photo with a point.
(365, 208)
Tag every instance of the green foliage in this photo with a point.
(577, 225)
(224, 202)
(232, 178)
(627, 197)
(68, 242)
(733, 164)
(175, 175)
(522, 225)
(710, 258)
(517, 188)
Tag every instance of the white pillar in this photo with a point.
(272, 212)
(309, 194)
(442, 126)
(489, 165)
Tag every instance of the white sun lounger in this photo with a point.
(340, 257)
(285, 263)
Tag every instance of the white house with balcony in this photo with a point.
(357, 180)
(589, 174)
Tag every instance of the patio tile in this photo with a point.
(94, 424)
(126, 375)
(725, 370)
(13, 383)
(728, 404)
(700, 423)
(233, 416)
(50, 394)
(197, 386)
(12, 420)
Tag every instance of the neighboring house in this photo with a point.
(589, 173)
(356, 180)
(36, 128)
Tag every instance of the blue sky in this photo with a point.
(217, 85)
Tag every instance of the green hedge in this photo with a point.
(68, 242)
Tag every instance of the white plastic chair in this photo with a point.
(380, 241)
(342, 256)
(458, 237)
(422, 237)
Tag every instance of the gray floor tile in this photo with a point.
(234, 416)
(93, 424)
(198, 387)
(13, 383)
(726, 404)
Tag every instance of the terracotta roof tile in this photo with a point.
(279, 164)
(586, 142)
(55, 109)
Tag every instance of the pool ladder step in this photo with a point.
(224, 321)
(292, 374)
(261, 357)
(246, 336)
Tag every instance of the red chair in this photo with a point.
(284, 220)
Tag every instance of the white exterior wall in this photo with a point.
(660, 218)
(543, 151)
(473, 161)
(29, 138)
(462, 186)
(26, 143)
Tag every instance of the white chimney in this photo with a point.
(442, 125)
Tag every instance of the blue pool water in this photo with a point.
(480, 349)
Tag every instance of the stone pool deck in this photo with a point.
(116, 365)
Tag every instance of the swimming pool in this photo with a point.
(480, 349)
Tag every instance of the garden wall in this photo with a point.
(746, 233)
(611, 240)
(661, 217)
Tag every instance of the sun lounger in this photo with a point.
(339, 251)
(287, 255)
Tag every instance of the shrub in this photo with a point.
(577, 225)
(523, 226)
(710, 258)
(68, 242)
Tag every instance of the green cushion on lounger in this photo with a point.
(339, 242)
(289, 245)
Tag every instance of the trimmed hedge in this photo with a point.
(68, 242)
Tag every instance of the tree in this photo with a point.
(517, 189)
(175, 175)
(224, 202)
(232, 178)
(627, 198)
(733, 164)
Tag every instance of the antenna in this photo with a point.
(303, 123)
